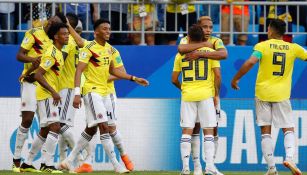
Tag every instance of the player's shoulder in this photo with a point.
(35, 30)
(114, 50)
(89, 44)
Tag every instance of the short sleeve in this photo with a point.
(84, 55)
(184, 40)
(28, 41)
(218, 44)
(47, 62)
(215, 64)
(301, 53)
(177, 65)
(117, 59)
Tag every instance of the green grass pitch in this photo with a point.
(150, 173)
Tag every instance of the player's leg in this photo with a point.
(283, 118)
(264, 121)
(52, 122)
(188, 117)
(195, 148)
(215, 130)
(28, 108)
(100, 112)
(207, 118)
(110, 105)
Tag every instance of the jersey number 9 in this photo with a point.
(281, 62)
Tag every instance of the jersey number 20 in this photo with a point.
(196, 69)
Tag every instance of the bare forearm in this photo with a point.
(177, 84)
(76, 36)
(78, 78)
(243, 70)
(42, 81)
(216, 55)
(217, 86)
(24, 58)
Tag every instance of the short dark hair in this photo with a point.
(61, 16)
(54, 28)
(279, 26)
(73, 19)
(196, 33)
(100, 21)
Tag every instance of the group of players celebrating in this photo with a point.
(55, 57)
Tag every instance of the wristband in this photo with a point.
(77, 90)
(132, 78)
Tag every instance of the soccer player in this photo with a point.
(48, 99)
(197, 100)
(96, 60)
(221, 53)
(273, 87)
(34, 44)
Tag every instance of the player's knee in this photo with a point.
(196, 128)
(27, 118)
(55, 127)
(103, 127)
(112, 129)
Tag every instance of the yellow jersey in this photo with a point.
(276, 61)
(171, 8)
(70, 55)
(52, 62)
(197, 75)
(117, 63)
(98, 59)
(149, 8)
(36, 41)
(216, 42)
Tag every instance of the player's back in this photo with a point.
(197, 76)
(275, 69)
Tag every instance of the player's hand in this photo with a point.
(77, 102)
(234, 84)
(56, 98)
(21, 77)
(36, 62)
(193, 55)
(141, 81)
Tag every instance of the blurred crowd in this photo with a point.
(170, 15)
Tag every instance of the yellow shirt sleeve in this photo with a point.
(215, 64)
(27, 41)
(258, 47)
(218, 44)
(301, 53)
(47, 62)
(84, 55)
(177, 66)
(117, 59)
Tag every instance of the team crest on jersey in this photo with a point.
(100, 116)
(83, 55)
(47, 63)
(54, 114)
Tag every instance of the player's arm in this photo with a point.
(113, 77)
(175, 79)
(77, 100)
(78, 39)
(39, 77)
(219, 54)
(123, 75)
(186, 48)
(243, 70)
(217, 84)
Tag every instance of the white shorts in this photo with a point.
(204, 110)
(95, 110)
(111, 109)
(47, 112)
(67, 111)
(277, 113)
(28, 97)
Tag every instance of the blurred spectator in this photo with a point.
(138, 12)
(7, 22)
(239, 11)
(274, 12)
(40, 14)
(214, 12)
(186, 16)
(117, 11)
(83, 11)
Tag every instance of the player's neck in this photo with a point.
(277, 37)
(100, 42)
(58, 45)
